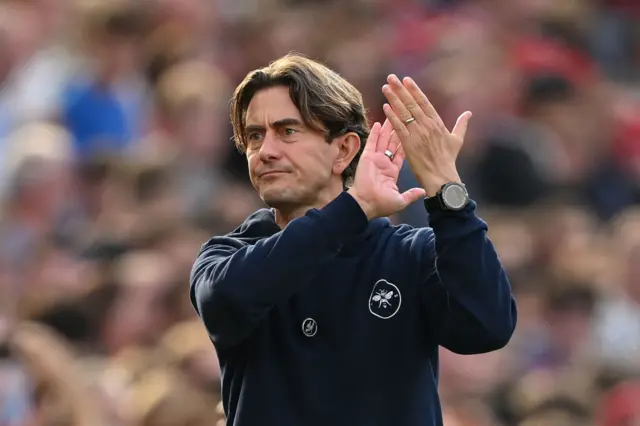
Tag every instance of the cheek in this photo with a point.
(317, 163)
(252, 164)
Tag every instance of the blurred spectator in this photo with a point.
(110, 85)
(116, 164)
(620, 405)
(618, 323)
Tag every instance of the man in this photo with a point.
(321, 311)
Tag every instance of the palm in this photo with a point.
(377, 175)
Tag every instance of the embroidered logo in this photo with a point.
(309, 327)
(385, 299)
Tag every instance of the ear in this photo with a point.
(348, 146)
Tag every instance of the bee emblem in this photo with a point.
(385, 300)
(383, 297)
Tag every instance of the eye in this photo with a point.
(289, 131)
(254, 136)
(254, 140)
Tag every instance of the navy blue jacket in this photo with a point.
(336, 320)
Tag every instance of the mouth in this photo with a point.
(271, 173)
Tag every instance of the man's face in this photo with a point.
(290, 165)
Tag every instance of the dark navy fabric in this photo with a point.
(336, 321)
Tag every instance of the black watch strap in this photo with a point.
(434, 204)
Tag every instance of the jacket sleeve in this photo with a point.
(468, 298)
(234, 286)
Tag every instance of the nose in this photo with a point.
(271, 147)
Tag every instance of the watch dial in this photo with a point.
(455, 196)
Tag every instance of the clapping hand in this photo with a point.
(431, 150)
(375, 185)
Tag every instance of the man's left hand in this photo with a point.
(430, 148)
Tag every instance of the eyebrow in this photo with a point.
(278, 123)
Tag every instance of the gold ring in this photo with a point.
(409, 120)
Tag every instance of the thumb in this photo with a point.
(460, 129)
(413, 195)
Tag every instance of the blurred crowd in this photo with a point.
(116, 164)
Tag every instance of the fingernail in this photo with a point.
(385, 87)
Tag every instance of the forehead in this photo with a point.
(271, 104)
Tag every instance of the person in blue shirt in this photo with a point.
(321, 311)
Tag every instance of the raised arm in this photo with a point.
(468, 301)
(235, 285)
(468, 296)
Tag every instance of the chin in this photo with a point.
(277, 201)
(279, 198)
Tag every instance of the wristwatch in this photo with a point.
(452, 196)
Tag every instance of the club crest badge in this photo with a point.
(385, 300)
(309, 327)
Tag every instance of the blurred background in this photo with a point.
(116, 164)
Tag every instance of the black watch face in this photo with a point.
(455, 197)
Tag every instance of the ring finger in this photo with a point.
(392, 137)
(405, 100)
(399, 155)
(384, 138)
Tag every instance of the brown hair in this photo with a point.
(327, 102)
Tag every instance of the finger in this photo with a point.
(386, 126)
(396, 123)
(396, 104)
(384, 141)
(399, 156)
(421, 99)
(407, 100)
(460, 129)
(413, 195)
(394, 140)
(372, 140)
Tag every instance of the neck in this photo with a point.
(286, 214)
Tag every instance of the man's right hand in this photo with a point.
(375, 185)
